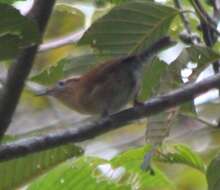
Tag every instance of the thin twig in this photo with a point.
(20, 69)
(115, 121)
(216, 6)
(216, 16)
(204, 16)
(183, 17)
(188, 36)
(59, 42)
(208, 26)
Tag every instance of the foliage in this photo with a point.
(67, 66)
(9, 1)
(17, 172)
(118, 33)
(213, 176)
(122, 172)
(16, 32)
(50, 75)
(182, 154)
(68, 18)
(125, 27)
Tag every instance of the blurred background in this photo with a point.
(40, 115)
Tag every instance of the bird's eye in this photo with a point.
(61, 83)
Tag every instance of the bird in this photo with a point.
(108, 87)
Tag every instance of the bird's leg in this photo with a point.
(105, 113)
(137, 102)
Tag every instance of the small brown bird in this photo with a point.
(109, 86)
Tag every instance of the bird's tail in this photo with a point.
(155, 48)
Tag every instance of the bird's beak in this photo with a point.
(45, 92)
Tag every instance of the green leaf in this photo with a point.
(80, 64)
(122, 172)
(199, 55)
(202, 55)
(132, 160)
(16, 32)
(182, 154)
(50, 75)
(130, 27)
(77, 175)
(103, 2)
(64, 20)
(66, 67)
(213, 174)
(8, 138)
(16, 172)
(153, 71)
(9, 1)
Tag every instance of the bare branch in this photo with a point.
(155, 105)
(66, 40)
(208, 26)
(204, 17)
(20, 69)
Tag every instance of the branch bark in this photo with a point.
(20, 69)
(59, 42)
(208, 26)
(155, 105)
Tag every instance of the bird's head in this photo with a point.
(61, 88)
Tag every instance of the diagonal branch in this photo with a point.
(115, 121)
(204, 16)
(20, 69)
(208, 26)
(59, 42)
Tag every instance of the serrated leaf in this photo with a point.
(66, 67)
(51, 74)
(75, 175)
(213, 174)
(132, 160)
(16, 32)
(123, 172)
(182, 154)
(133, 155)
(16, 172)
(130, 27)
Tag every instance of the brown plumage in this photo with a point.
(109, 86)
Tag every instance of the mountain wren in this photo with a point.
(109, 86)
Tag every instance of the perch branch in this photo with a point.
(155, 105)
